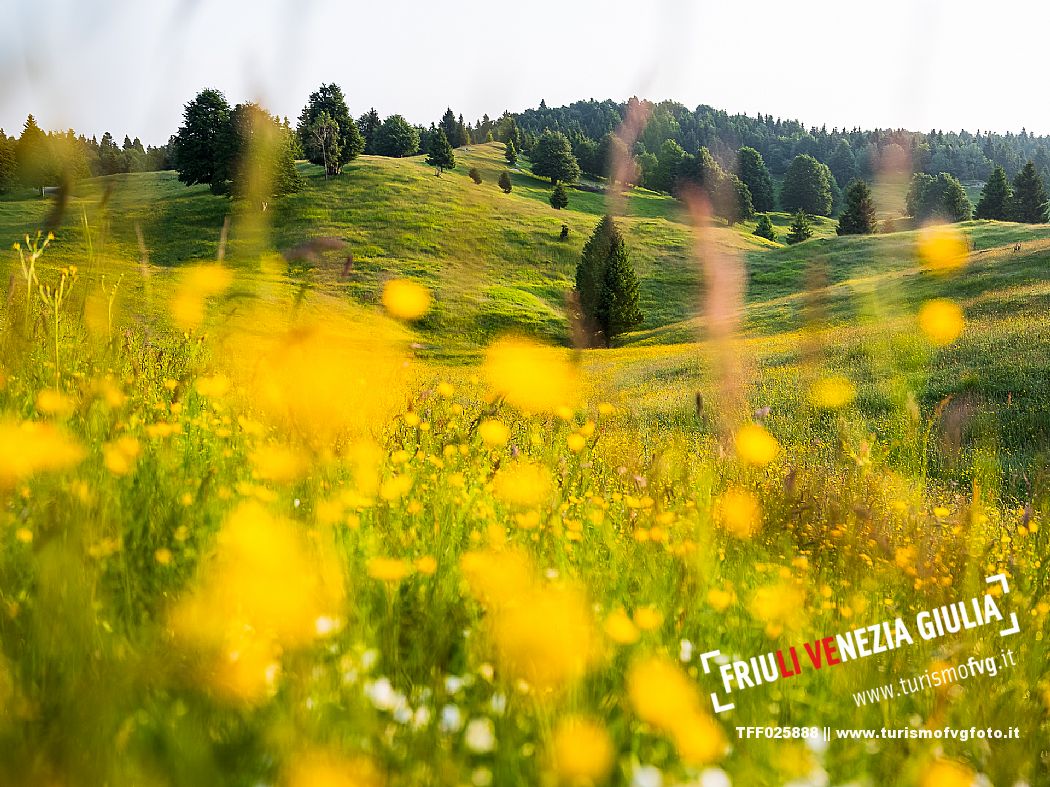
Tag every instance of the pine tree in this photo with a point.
(606, 286)
(1029, 200)
(859, 216)
(440, 155)
(995, 197)
(764, 228)
(800, 228)
(32, 156)
(559, 198)
(450, 127)
(7, 162)
(330, 99)
(511, 153)
(205, 143)
(620, 295)
(504, 182)
(752, 171)
(368, 124)
(474, 175)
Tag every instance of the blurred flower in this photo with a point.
(327, 769)
(278, 463)
(581, 751)
(388, 569)
(493, 432)
(523, 484)
(941, 321)
(664, 697)
(778, 606)
(738, 511)
(29, 447)
(119, 455)
(480, 736)
(832, 393)
(947, 773)
(942, 248)
(531, 376)
(52, 402)
(196, 285)
(261, 591)
(620, 629)
(756, 446)
(405, 299)
(648, 618)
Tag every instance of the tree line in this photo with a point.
(37, 158)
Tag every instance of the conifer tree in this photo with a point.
(559, 198)
(800, 228)
(764, 228)
(504, 182)
(859, 216)
(752, 171)
(606, 286)
(511, 153)
(995, 197)
(1029, 200)
(350, 144)
(440, 155)
(474, 175)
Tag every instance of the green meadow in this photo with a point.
(299, 538)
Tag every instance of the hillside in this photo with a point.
(259, 526)
(496, 265)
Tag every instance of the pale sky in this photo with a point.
(128, 66)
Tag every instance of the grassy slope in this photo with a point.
(496, 264)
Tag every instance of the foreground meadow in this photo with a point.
(255, 531)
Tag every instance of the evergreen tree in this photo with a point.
(1029, 200)
(807, 187)
(32, 156)
(396, 138)
(368, 124)
(450, 127)
(474, 175)
(111, 158)
(504, 182)
(559, 198)
(619, 306)
(859, 216)
(329, 99)
(439, 154)
(552, 158)
(205, 143)
(843, 163)
(606, 287)
(510, 152)
(995, 197)
(764, 228)
(800, 228)
(752, 171)
(462, 132)
(7, 162)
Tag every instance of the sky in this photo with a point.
(129, 66)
